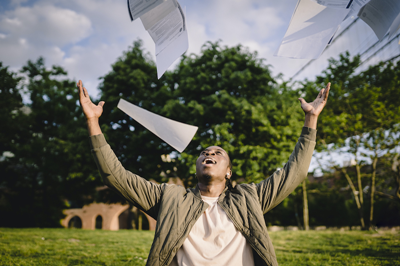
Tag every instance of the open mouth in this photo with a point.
(209, 161)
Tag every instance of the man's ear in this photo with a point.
(229, 174)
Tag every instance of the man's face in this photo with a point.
(213, 163)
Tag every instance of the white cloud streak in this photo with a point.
(86, 37)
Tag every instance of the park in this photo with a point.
(58, 208)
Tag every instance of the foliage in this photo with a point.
(361, 118)
(134, 79)
(51, 159)
(358, 102)
(227, 92)
(10, 104)
(85, 247)
(230, 95)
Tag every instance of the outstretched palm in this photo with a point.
(89, 109)
(315, 108)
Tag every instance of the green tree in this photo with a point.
(362, 116)
(228, 93)
(52, 160)
(10, 107)
(134, 78)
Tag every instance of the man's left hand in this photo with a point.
(315, 108)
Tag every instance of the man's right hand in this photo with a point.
(90, 110)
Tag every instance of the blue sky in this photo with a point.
(87, 36)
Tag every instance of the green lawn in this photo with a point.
(83, 247)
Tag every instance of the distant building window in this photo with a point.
(75, 222)
(99, 222)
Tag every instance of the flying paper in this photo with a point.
(335, 3)
(311, 28)
(355, 7)
(395, 27)
(167, 26)
(176, 134)
(380, 15)
(137, 8)
(165, 21)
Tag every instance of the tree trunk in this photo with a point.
(140, 220)
(396, 171)
(353, 189)
(296, 213)
(305, 207)
(360, 188)
(371, 214)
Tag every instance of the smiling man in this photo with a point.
(213, 223)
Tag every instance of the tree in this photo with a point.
(10, 107)
(52, 160)
(134, 78)
(230, 95)
(362, 117)
(227, 92)
(305, 207)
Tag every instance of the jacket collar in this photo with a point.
(196, 191)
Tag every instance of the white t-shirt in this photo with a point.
(214, 240)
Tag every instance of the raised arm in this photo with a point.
(92, 112)
(313, 109)
(142, 193)
(279, 185)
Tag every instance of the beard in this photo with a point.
(207, 176)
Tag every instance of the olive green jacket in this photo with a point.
(176, 209)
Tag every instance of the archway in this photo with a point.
(75, 222)
(99, 222)
(108, 213)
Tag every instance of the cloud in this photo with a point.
(45, 25)
(41, 30)
(235, 21)
(87, 37)
(257, 24)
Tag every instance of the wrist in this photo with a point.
(92, 120)
(311, 121)
(93, 126)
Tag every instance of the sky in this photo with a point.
(86, 37)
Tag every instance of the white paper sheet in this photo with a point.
(356, 6)
(176, 134)
(335, 3)
(139, 7)
(395, 27)
(311, 28)
(380, 15)
(166, 25)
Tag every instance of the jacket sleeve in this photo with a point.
(142, 193)
(280, 184)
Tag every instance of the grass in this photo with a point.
(84, 247)
(337, 248)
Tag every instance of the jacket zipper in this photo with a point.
(248, 240)
(183, 231)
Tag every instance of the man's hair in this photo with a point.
(228, 180)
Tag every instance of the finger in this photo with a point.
(302, 101)
(328, 88)
(81, 94)
(86, 93)
(101, 104)
(321, 92)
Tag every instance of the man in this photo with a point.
(213, 223)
